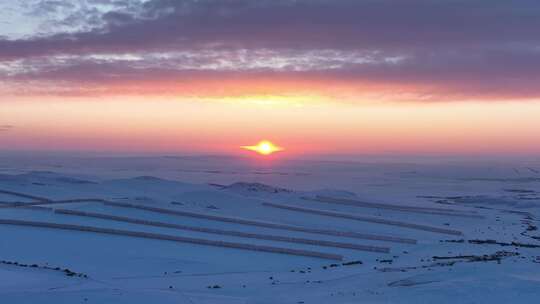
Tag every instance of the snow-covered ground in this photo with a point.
(219, 230)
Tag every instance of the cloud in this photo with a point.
(341, 24)
(5, 128)
(487, 49)
(440, 76)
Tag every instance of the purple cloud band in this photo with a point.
(488, 48)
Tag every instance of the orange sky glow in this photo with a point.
(303, 125)
(321, 77)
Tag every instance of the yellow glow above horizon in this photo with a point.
(264, 147)
(189, 125)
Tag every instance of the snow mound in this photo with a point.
(331, 193)
(72, 180)
(45, 177)
(500, 201)
(244, 187)
(149, 178)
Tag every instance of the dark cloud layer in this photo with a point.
(469, 47)
(341, 24)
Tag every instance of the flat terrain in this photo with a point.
(211, 230)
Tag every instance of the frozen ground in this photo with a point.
(329, 224)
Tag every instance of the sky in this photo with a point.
(355, 77)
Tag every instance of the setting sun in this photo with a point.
(264, 147)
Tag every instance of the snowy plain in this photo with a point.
(484, 246)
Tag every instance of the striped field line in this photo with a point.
(225, 232)
(411, 209)
(166, 237)
(365, 219)
(242, 221)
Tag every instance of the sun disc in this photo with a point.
(264, 147)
